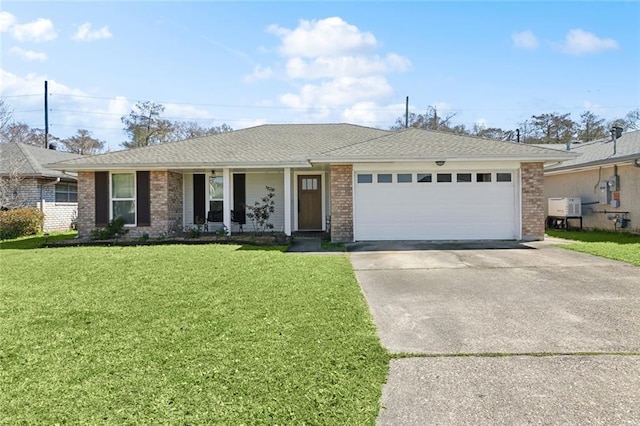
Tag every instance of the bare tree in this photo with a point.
(11, 195)
(430, 120)
(145, 126)
(591, 127)
(21, 133)
(633, 119)
(554, 127)
(190, 129)
(83, 143)
(5, 114)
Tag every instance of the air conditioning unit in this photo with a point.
(565, 207)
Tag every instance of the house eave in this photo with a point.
(626, 160)
(178, 166)
(413, 159)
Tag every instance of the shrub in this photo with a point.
(115, 226)
(19, 222)
(193, 232)
(260, 213)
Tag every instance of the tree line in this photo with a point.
(551, 127)
(144, 126)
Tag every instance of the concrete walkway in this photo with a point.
(305, 245)
(566, 327)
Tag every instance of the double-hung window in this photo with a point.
(123, 197)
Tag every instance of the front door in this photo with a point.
(309, 202)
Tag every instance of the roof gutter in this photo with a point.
(544, 158)
(175, 166)
(608, 161)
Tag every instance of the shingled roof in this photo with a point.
(291, 145)
(32, 161)
(601, 152)
(269, 144)
(417, 144)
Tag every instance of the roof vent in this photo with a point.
(617, 130)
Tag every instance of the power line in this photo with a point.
(20, 96)
(338, 108)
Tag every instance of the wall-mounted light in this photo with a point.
(440, 162)
(213, 173)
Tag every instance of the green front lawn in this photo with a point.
(36, 241)
(613, 245)
(185, 334)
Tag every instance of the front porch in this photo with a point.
(224, 198)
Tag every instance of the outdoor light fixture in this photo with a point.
(440, 162)
(213, 173)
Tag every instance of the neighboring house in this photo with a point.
(25, 180)
(360, 183)
(606, 176)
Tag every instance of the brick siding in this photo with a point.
(86, 203)
(341, 203)
(166, 204)
(532, 201)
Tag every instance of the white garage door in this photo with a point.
(451, 205)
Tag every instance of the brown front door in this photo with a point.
(309, 202)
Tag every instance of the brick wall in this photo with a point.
(86, 203)
(532, 201)
(175, 202)
(59, 216)
(166, 204)
(341, 203)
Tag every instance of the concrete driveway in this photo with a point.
(566, 326)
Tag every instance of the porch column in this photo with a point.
(226, 198)
(287, 201)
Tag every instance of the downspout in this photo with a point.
(42, 194)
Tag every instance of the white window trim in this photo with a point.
(135, 196)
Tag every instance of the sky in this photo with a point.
(493, 63)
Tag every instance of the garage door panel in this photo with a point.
(435, 211)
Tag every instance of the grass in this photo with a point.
(612, 245)
(35, 241)
(185, 334)
(327, 245)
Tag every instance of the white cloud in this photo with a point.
(341, 66)
(337, 70)
(324, 37)
(119, 105)
(85, 33)
(7, 21)
(338, 92)
(525, 40)
(28, 55)
(71, 108)
(371, 114)
(580, 42)
(36, 31)
(259, 73)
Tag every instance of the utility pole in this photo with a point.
(46, 116)
(406, 114)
